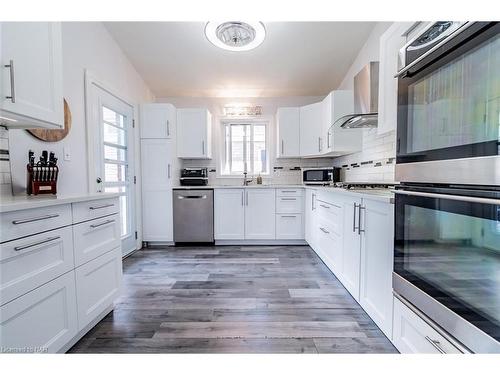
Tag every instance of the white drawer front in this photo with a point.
(84, 211)
(295, 192)
(289, 226)
(332, 214)
(285, 205)
(17, 224)
(98, 285)
(411, 334)
(96, 237)
(32, 261)
(43, 318)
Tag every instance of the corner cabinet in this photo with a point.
(31, 80)
(390, 43)
(194, 133)
(288, 132)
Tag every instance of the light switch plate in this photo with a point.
(67, 153)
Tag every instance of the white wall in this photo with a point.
(86, 45)
(378, 149)
(269, 108)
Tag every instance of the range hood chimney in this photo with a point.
(365, 100)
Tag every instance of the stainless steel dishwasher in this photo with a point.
(193, 215)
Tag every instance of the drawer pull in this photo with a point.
(292, 216)
(18, 248)
(44, 217)
(324, 206)
(288, 199)
(288, 191)
(99, 207)
(101, 224)
(324, 230)
(436, 344)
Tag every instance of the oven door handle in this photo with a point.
(452, 197)
(449, 36)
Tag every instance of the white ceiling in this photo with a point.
(296, 58)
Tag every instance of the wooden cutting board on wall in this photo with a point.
(54, 135)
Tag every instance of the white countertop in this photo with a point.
(384, 195)
(24, 202)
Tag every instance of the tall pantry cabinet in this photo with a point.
(159, 168)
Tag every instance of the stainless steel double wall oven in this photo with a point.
(447, 221)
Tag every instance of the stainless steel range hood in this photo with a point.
(365, 100)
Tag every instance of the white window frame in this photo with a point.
(243, 121)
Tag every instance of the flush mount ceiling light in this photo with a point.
(235, 35)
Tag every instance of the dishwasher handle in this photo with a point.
(192, 197)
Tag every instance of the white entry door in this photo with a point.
(113, 156)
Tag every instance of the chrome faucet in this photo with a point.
(245, 180)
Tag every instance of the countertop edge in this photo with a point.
(18, 203)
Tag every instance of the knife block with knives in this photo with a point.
(42, 176)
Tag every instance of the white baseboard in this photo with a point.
(262, 242)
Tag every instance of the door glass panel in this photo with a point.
(455, 257)
(114, 135)
(115, 163)
(457, 104)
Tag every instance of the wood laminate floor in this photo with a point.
(233, 299)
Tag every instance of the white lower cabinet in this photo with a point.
(98, 283)
(411, 334)
(96, 237)
(351, 245)
(44, 319)
(377, 254)
(229, 214)
(289, 227)
(29, 262)
(260, 214)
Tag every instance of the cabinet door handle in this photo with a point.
(354, 217)
(203, 147)
(247, 197)
(436, 344)
(319, 144)
(282, 147)
(168, 128)
(12, 96)
(312, 202)
(360, 207)
(168, 171)
(99, 207)
(324, 206)
(44, 217)
(324, 230)
(101, 224)
(18, 248)
(242, 198)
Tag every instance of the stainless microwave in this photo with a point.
(320, 176)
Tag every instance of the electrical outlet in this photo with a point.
(67, 153)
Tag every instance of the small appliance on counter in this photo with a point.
(194, 177)
(42, 175)
(320, 176)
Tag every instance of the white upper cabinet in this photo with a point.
(194, 133)
(158, 120)
(312, 139)
(339, 141)
(31, 81)
(390, 43)
(288, 132)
